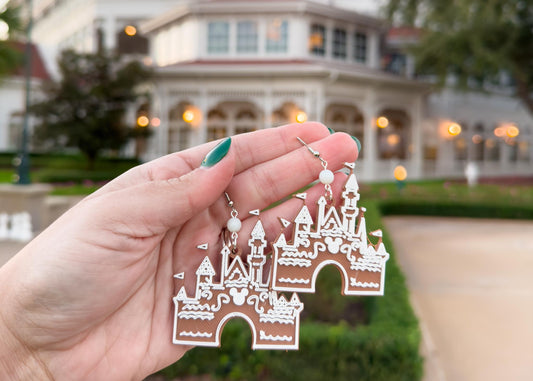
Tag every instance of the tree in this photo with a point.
(475, 41)
(10, 58)
(86, 108)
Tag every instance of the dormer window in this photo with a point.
(359, 47)
(277, 36)
(218, 37)
(339, 43)
(247, 37)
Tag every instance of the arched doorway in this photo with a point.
(393, 134)
(179, 131)
(345, 118)
(231, 118)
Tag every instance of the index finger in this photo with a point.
(251, 149)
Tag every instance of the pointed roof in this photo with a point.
(295, 301)
(304, 217)
(258, 231)
(182, 294)
(332, 216)
(322, 201)
(281, 241)
(206, 268)
(351, 184)
(236, 267)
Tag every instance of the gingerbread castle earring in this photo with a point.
(237, 289)
(337, 236)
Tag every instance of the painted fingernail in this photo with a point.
(358, 143)
(217, 153)
(331, 131)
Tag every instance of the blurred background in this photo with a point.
(439, 93)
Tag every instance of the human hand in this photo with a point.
(91, 297)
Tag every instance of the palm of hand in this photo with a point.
(96, 298)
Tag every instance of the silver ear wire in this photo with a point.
(326, 177)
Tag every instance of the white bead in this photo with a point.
(234, 224)
(326, 176)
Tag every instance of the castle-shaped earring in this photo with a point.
(337, 236)
(238, 289)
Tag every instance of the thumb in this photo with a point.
(157, 206)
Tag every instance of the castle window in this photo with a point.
(339, 43)
(359, 47)
(277, 36)
(247, 37)
(218, 37)
(317, 40)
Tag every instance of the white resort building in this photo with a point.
(224, 67)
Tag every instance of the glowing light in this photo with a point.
(148, 61)
(400, 173)
(188, 116)
(476, 139)
(143, 121)
(130, 30)
(454, 129)
(393, 139)
(512, 131)
(301, 117)
(156, 122)
(499, 132)
(382, 122)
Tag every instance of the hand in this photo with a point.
(91, 297)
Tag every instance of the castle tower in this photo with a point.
(225, 252)
(204, 274)
(303, 221)
(350, 196)
(361, 231)
(257, 257)
(321, 212)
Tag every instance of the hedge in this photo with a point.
(382, 348)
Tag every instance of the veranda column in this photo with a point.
(416, 139)
(201, 133)
(370, 135)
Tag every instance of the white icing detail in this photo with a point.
(203, 246)
(355, 283)
(180, 275)
(263, 336)
(284, 222)
(376, 233)
(238, 296)
(290, 280)
(254, 212)
(294, 262)
(196, 334)
(195, 315)
(349, 165)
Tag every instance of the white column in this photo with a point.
(370, 137)
(320, 104)
(110, 30)
(373, 50)
(200, 135)
(416, 138)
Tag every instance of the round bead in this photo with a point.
(234, 224)
(326, 176)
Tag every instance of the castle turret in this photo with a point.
(350, 210)
(257, 257)
(303, 220)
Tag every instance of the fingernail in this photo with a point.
(331, 131)
(217, 153)
(358, 143)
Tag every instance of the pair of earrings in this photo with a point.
(251, 288)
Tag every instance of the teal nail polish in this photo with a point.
(331, 131)
(217, 153)
(358, 143)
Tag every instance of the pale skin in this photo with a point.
(90, 298)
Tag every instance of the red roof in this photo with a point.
(38, 68)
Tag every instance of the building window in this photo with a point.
(339, 43)
(277, 36)
(247, 37)
(359, 47)
(218, 37)
(317, 40)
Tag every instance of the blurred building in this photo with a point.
(225, 67)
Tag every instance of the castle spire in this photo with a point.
(350, 196)
(256, 258)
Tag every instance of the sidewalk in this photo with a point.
(471, 284)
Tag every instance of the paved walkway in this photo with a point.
(471, 284)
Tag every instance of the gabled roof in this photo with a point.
(351, 183)
(304, 217)
(206, 268)
(237, 266)
(258, 231)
